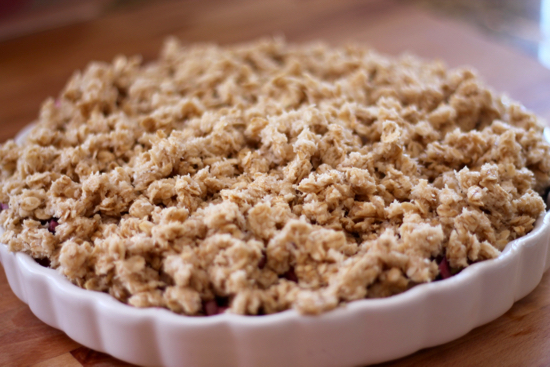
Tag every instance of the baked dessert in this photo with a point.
(260, 177)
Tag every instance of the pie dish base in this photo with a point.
(362, 332)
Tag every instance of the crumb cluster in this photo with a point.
(266, 176)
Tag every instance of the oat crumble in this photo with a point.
(266, 176)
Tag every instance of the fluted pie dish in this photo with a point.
(363, 332)
(273, 204)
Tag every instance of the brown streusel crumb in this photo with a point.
(267, 176)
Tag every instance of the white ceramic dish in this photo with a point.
(363, 332)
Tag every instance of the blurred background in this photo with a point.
(522, 23)
(43, 41)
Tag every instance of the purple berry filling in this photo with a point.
(45, 262)
(52, 225)
(216, 306)
(263, 261)
(291, 275)
(445, 269)
(222, 309)
(4, 207)
(210, 308)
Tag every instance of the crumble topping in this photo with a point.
(266, 176)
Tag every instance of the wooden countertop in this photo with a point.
(37, 66)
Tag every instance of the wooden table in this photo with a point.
(37, 66)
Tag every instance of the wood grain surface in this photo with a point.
(35, 67)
